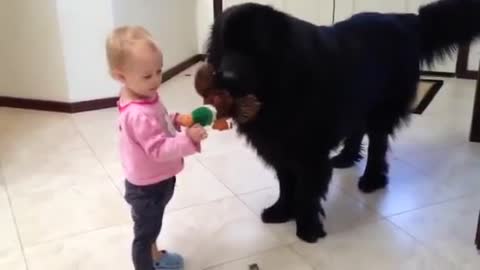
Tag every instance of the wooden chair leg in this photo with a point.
(477, 237)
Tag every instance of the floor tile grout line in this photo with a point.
(409, 165)
(228, 188)
(22, 246)
(241, 201)
(111, 180)
(255, 191)
(75, 234)
(14, 218)
(418, 241)
(217, 177)
(292, 249)
(345, 191)
(431, 205)
(175, 210)
(263, 252)
(424, 172)
(237, 196)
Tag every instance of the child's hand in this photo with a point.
(197, 133)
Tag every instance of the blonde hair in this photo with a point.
(121, 41)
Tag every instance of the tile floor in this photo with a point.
(61, 204)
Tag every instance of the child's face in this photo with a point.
(142, 73)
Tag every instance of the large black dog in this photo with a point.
(299, 90)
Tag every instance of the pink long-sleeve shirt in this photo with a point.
(151, 149)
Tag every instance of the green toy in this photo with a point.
(205, 115)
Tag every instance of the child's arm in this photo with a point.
(151, 136)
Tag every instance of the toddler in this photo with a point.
(152, 147)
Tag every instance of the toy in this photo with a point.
(205, 116)
(219, 98)
(242, 109)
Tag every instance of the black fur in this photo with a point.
(320, 86)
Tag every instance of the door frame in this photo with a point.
(462, 64)
(217, 8)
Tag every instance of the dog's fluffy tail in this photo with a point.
(447, 24)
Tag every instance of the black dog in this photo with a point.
(316, 87)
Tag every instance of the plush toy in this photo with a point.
(241, 109)
(219, 98)
(205, 116)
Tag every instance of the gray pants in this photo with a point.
(148, 205)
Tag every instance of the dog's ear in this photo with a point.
(246, 108)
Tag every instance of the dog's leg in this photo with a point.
(351, 152)
(282, 210)
(376, 173)
(312, 185)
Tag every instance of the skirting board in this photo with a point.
(88, 105)
(438, 74)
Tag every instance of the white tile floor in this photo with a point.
(61, 205)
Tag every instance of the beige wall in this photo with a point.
(275, 3)
(31, 51)
(172, 22)
(315, 11)
(84, 25)
(319, 12)
(54, 49)
(3, 70)
(204, 20)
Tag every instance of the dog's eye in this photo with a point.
(227, 79)
(229, 75)
(226, 75)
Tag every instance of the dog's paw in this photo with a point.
(343, 161)
(371, 183)
(277, 213)
(310, 233)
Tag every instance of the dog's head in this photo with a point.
(242, 57)
(208, 89)
(242, 108)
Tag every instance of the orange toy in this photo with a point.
(205, 116)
